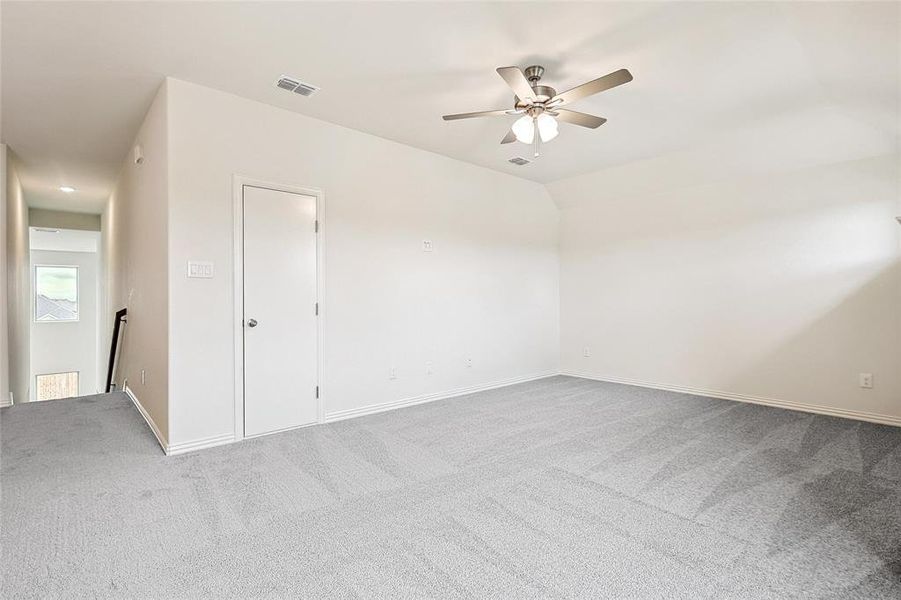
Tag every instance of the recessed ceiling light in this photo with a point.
(66, 188)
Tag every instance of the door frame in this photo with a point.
(238, 184)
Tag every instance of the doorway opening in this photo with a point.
(65, 313)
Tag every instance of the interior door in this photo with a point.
(280, 312)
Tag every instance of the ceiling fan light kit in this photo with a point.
(539, 105)
(524, 128)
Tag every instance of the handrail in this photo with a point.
(120, 318)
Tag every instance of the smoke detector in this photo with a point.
(519, 161)
(292, 84)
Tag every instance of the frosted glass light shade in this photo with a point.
(524, 129)
(547, 127)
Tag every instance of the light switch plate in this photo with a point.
(200, 270)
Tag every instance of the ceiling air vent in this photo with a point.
(297, 86)
(518, 160)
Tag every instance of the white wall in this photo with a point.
(134, 260)
(18, 284)
(489, 289)
(766, 273)
(110, 263)
(4, 323)
(60, 219)
(60, 347)
(771, 274)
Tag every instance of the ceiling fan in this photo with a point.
(540, 104)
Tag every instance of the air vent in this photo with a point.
(287, 84)
(297, 86)
(305, 89)
(518, 160)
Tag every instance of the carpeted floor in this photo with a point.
(558, 488)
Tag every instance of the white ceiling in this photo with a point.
(77, 77)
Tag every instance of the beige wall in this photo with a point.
(488, 290)
(134, 260)
(768, 279)
(4, 323)
(58, 219)
(18, 284)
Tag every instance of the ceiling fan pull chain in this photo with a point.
(537, 138)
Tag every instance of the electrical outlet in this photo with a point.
(426, 245)
(142, 376)
(866, 381)
(428, 368)
(392, 373)
(468, 362)
(586, 351)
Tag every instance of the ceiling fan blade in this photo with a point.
(509, 138)
(578, 118)
(517, 82)
(472, 115)
(600, 84)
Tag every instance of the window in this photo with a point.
(55, 293)
(57, 385)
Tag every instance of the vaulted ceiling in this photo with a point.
(77, 77)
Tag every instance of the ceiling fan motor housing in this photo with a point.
(543, 93)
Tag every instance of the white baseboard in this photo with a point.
(171, 449)
(377, 408)
(220, 440)
(787, 404)
(210, 442)
(156, 432)
(282, 430)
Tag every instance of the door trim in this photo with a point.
(238, 184)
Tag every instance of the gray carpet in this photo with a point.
(559, 488)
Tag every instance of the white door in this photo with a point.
(280, 295)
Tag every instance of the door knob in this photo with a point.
(252, 323)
